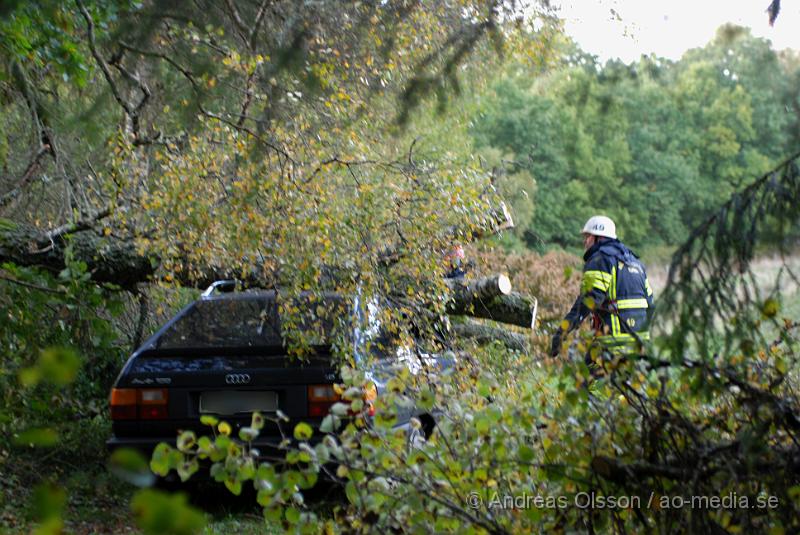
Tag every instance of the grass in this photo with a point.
(97, 502)
(243, 524)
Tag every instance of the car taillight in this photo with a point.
(153, 403)
(123, 404)
(141, 403)
(320, 399)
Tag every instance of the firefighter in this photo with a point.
(456, 261)
(615, 292)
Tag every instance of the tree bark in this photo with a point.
(484, 334)
(484, 289)
(491, 298)
(108, 260)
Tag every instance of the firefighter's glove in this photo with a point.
(555, 345)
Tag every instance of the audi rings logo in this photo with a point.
(237, 379)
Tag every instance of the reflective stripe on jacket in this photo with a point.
(615, 290)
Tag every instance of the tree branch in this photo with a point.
(77, 226)
(241, 27)
(262, 10)
(26, 177)
(100, 61)
(31, 286)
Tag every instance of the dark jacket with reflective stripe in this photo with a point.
(614, 288)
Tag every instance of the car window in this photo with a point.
(251, 322)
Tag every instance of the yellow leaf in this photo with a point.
(224, 428)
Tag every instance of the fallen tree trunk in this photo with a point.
(491, 298)
(514, 309)
(483, 289)
(485, 334)
(111, 260)
(116, 261)
(108, 260)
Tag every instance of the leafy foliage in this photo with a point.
(41, 362)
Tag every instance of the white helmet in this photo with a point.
(600, 225)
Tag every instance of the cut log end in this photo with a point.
(504, 284)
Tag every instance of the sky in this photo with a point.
(670, 27)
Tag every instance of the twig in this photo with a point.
(77, 226)
(262, 10)
(31, 286)
(26, 176)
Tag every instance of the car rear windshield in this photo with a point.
(253, 322)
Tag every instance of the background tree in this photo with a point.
(655, 144)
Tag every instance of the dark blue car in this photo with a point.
(226, 355)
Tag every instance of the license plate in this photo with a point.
(218, 402)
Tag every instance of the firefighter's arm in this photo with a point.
(597, 280)
(594, 287)
(650, 300)
(575, 316)
(571, 321)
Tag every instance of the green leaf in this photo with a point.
(264, 496)
(426, 399)
(187, 468)
(310, 480)
(222, 443)
(224, 428)
(160, 461)
(186, 441)
(303, 431)
(247, 471)
(340, 409)
(351, 492)
(526, 453)
(482, 425)
(273, 515)
(208, 419)
(234, 485)
(292, 515)
(48, 501)
(56, 365)
(267, 472)
(770, 308)
(327, 424)
(218, 472)
(323, 454)
(158, 512)
(131, 466)
(30, 376)
(257, 421)
(43, 437)
(204, 446)
(248, 434)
